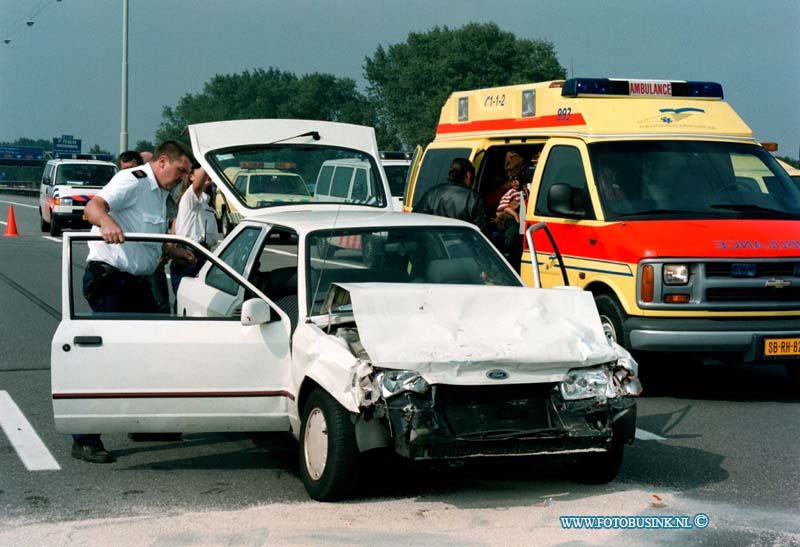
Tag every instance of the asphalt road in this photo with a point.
(713, 440)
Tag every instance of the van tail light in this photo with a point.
(647, 283)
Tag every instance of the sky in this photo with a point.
(62, 75)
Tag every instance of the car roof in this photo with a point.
(73, 160)
(308, 219)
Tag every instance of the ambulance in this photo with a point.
(661, 202)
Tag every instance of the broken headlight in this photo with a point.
(586, 383)
(393, 382)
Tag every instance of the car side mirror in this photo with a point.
(255, 312)
(566, 201)
(47, 180)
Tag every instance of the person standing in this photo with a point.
(128, 159)
(456, 198)
(195, 221)
(116, 278)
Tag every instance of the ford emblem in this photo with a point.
(497, 374)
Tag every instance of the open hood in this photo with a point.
(237, 153)
(456, 333)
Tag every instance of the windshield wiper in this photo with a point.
(749, 207)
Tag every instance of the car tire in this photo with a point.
(55, 229)
(44, 226)
(612, 317)
(599, 467)
(328, 450)
(370, 251)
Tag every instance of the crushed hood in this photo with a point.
(458, 332)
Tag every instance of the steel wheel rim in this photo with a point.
(608, 328)
(315, 443)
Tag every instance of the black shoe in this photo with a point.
(93, 453)
(145, 437)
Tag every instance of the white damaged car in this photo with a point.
(433, 347)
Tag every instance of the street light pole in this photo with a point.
(123, 131)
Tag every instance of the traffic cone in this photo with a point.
(11, 227)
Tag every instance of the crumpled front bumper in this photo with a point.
(453, 422)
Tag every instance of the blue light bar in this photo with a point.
(576, 87)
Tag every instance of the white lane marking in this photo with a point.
(51, 238)
(643, 435)
(30, 448)
(20, 204)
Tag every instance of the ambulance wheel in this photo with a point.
(612, 317)
(328, 450)
(43, 224)
(55, 229)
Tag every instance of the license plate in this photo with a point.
(84, 217)
(781, 347)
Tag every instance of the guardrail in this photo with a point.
(19, 187)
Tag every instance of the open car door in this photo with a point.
(116, 372)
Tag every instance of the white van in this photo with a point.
(347, 180)
(67, 186)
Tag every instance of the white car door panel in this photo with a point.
(169, 373)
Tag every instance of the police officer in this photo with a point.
(116, 278)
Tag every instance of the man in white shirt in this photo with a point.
(116, 275)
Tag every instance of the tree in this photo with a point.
(144, 146)
(409, 82)
(95, 149)
(268, 94)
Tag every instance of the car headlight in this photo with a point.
(63, 201)
(676, 274)
(585, 383)
(393, 382)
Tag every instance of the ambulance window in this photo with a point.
(564, 166)
(434, 168)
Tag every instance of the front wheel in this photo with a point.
(328, 450)
(612, 317)
(599, 467)
(55, 229)
(43, 224)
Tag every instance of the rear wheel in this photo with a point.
(328, 450)
(55, 229)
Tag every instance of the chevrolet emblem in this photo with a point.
(778, 283)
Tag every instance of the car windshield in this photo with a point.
(281, 174)
(84, 175)
(421, 254)
(658, 180)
